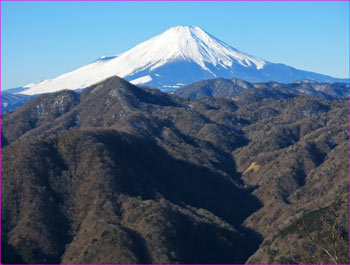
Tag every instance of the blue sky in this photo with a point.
(41, 40)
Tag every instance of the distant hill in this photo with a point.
(231, 88)
(11, 101)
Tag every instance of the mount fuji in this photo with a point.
(179, 56)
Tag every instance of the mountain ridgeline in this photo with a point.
(235, 89)
(126, 174)
(248, 92)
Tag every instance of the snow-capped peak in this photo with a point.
(193, 43)
(189, 43)
(179, 55)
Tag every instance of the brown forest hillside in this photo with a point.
(124, 174)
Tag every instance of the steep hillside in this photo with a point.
(103, 189)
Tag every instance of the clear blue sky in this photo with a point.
(41, 40)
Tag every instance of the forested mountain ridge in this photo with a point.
(150, 177)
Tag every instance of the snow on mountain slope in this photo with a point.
(180, 55)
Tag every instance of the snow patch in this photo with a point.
(172, 86)
(141, 80)
(77, 120)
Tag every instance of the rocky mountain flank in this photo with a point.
(124, 174)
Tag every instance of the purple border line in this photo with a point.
(0, 130)
(174, 0)
(349, 154)
(168, 1)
